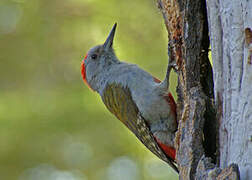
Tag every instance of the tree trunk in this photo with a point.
(214, 123)
(230, 22)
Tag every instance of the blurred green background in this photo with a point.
(52, 127)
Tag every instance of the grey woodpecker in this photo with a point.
(140, 101)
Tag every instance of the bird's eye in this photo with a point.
(94, 56)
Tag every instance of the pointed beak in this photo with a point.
(109, 41)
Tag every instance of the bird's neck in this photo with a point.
(100, 79)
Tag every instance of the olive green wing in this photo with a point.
(119, 102)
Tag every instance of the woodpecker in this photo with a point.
(140, 101)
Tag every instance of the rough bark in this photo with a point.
(188, 47)
(201, 122)
(230, 24)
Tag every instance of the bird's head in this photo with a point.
(97, 60)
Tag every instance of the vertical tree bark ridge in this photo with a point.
(188, 46)
(228, 22)
(172, 19)
(194, 73)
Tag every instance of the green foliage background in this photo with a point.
(51, 125)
